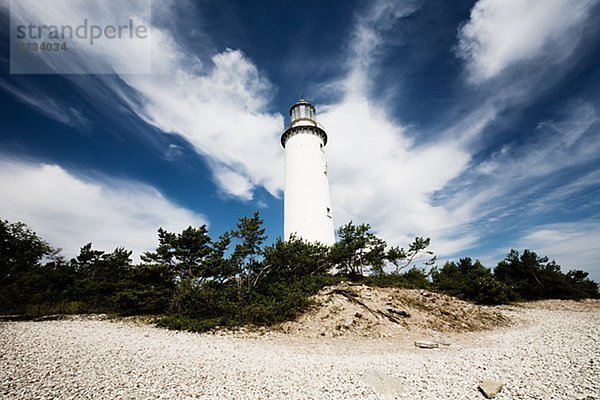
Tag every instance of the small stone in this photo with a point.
(384, 384)
(490, 388)
(426, 345)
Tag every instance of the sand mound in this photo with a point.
(358, 310)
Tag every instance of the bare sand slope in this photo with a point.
(348, 309)
(552, 353)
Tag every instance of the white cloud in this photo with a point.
(504, 33)
(70, 211)
(367, 42)
(220, 113)
(573, 245)
(233, 182)
(217, 104)
(378, 174)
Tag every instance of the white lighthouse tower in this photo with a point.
(307, 205)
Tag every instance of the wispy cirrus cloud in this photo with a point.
(47, 106)
(367, 44)
(520, 173)
(71, 210)
(503, 33)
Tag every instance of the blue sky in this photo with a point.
(474, 123)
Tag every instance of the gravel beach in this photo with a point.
(551, 353)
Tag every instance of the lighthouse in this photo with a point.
(307, 204)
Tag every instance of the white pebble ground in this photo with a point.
(555, 355)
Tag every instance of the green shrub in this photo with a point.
(198, 283)
(532, 277)
(414, 278)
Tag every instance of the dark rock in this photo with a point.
(400, 313)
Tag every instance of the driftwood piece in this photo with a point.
(390, 313)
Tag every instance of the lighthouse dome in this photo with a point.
(303, 113)
(303, 120)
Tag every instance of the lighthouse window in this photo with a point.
(329, 212)
(304, 111)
